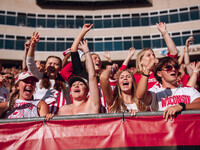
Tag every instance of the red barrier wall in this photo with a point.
(145, 132)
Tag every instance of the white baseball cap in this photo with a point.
(25, 75)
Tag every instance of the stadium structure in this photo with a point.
(118, 25)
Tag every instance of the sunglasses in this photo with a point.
(170, 67)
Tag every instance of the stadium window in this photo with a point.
(126, 22)
(88, 19)
(118, 45)
(163, 43)
(146, 43)
(2, 19)
(173, 18)
(51, 23)
(50, 46)
(9, 44)
(98, 46)
(40, 46)
(10, 20)
(135, 20)
(79, 21)
(194, 15)
(97, 23)
(60, 46)
(68, 44)
(108, 46)
(184, 38)
(116, 22)
(20, 43)
(21, 19)
(177, 41)
(164, 18)
(154, 20)
(31, 22)
(91, 46)
(70, 24)
(107, 23)
(60, 23)
(196, 35)
(127, 45)
(156, 43)
(1, 43)
(41, 23)
(184, 16)
(137, 43)
(145, 21)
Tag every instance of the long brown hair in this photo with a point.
(59, 81)
(118, 102)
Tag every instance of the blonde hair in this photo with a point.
(139, 67)
(118, 103)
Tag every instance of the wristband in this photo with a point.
(86, 52)
(182, 105)
(145, 75)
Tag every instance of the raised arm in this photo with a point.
(180, 59)
(26, 48)
(105, 84)
(107, 56)
(30, 62)
(93, 103)
(131, 53)
(168, 40)
(188, 42)
(193, 78)
(142, 92)
(85, 29)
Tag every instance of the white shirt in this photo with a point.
(162, 98)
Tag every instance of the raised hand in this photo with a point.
(131, 51)
(27, 45)
(83, 46)
(162, 28)
(87, 27)
(152, 64)
(107, 55)
(189, 41)
(195, 67)
(34, 39)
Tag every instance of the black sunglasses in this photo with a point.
(170, 67)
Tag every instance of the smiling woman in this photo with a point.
(21, 103)
(51, 88)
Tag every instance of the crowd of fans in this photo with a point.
(60, 87)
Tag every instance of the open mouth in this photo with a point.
(76, 91)
(125, 83)
(173, 74)
(28, 90)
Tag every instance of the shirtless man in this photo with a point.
(80, 87)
